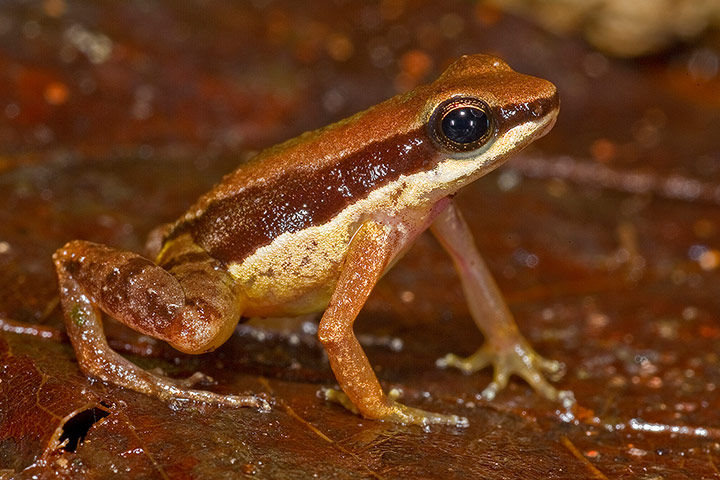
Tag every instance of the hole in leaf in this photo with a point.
(78, 426)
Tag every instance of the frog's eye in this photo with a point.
(461, 124)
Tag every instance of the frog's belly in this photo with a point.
(296, 273)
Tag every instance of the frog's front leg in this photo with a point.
(191, 304)
(371, 251)
(505, 347)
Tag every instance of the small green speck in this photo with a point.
(77, 315)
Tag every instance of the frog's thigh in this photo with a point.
(193, 311)
(191, 305)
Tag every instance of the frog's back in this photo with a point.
(305, 181)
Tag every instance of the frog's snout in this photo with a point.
(546, 105)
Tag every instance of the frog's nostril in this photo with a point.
(545, 105)
(538, 109)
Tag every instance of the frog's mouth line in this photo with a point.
(526, 133)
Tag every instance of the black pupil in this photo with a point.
(465, 125)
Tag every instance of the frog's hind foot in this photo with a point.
(176, 395)
(175, 392)
(194, 380)
(519, 359)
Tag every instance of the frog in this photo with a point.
(311, 225)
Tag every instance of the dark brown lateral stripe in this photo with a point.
(233, 228)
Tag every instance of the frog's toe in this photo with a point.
(555, 369)
(178, 398)
(197, 378)
(482, 358)
(179, 392)
(526, 363)
(194, 380)
(503, 369)
(261, 402)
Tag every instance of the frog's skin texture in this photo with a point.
(311, 225)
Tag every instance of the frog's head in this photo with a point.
(480, 112)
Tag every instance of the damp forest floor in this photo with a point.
(604, 237)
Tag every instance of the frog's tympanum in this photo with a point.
(311, 225)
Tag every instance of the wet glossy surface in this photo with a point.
(234, 227)
(605, 239)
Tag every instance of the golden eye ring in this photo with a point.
(462, 124)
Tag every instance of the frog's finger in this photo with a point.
(501, 376)
(533, 377)
(337, 396)
(471, 364)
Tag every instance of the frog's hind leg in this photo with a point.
(191, 305)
